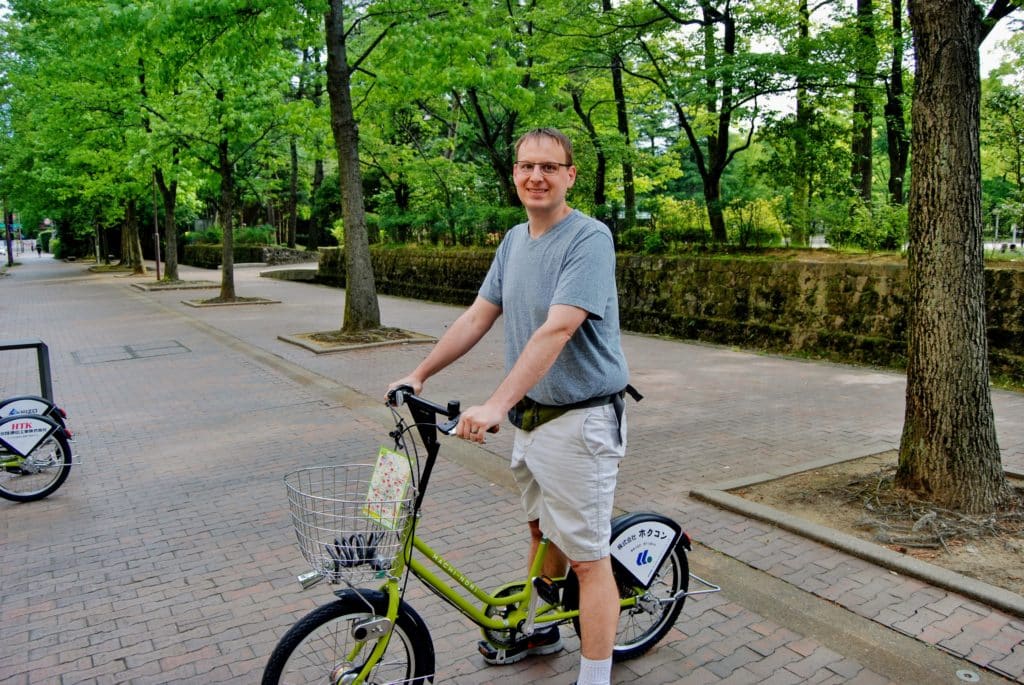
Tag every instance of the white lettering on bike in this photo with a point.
(447, 567)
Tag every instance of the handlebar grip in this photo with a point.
(395, 395)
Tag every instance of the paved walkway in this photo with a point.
(168, 556)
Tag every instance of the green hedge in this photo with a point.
(209, 256)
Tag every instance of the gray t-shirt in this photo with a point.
(573, 263)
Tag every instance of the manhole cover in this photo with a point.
(119, 353)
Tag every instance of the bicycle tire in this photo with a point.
(52, 457)
(318, 647)
(632, 639)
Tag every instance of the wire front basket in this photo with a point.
(344, 533)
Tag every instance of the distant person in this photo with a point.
(39, 250)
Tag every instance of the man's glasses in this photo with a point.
(546, 168)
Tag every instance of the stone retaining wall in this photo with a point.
(844, 311)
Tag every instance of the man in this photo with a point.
(553, 278)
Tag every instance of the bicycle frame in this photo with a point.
(526, 608)
(531, 609)
(520, 618)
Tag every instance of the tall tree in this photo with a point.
(166, 184)
(948, 451)
(898, 147)
(622, 123)
(866, 58)
(700, 60)
(224, 101)
(1003, 127)
(362, 311)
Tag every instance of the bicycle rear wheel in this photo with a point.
(643, 625)
(321, 647)
(41, 472)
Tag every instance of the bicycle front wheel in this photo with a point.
(40, 473)
(327, 645)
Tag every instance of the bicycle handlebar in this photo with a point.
(403, 394)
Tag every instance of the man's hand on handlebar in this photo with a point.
(468, 425)
(414, 383)
(476, 421)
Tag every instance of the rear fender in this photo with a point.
(640, 544)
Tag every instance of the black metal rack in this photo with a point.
(43, 357)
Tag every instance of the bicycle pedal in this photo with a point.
(547, 589)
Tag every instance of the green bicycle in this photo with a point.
(356, 524)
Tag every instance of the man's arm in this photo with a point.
(460, 338)
(538, 355)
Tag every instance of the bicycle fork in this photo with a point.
(374, 628)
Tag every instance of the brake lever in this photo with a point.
(448, 427)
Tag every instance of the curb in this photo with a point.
(989, 595)
(317, 348)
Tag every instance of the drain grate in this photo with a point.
(120, 353)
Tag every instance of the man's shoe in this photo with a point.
(541, 642)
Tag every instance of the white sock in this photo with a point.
(595, 672)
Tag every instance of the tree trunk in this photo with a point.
(496, 137)
(895, 124)
(948, 451)
(867, 61)
(718, 141)
(132, 242)
(102, 245)
(293, 193)
(169, 197)
(226, 211)
(801, 213)
(622, 123)
(361, 308)
(314, 238)
(601, 166)
(125, 256)
(713, 199)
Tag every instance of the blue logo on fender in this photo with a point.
(644, 558)
(15, 412)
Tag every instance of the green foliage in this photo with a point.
(210, 256)
(207, 236)
(654, 243)
(647, 240)
(881, 227)
(56, 248)
(681, 217)
(632, 239)
(440, 99)
(674, 225)
(756, 223)
(338, 231)
(255, 235)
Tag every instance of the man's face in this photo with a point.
(539, 191)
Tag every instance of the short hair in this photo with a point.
(552, 133)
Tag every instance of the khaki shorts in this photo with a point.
(566, 470)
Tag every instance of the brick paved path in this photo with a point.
(168, 557)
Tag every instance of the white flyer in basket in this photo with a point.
(389, 488)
